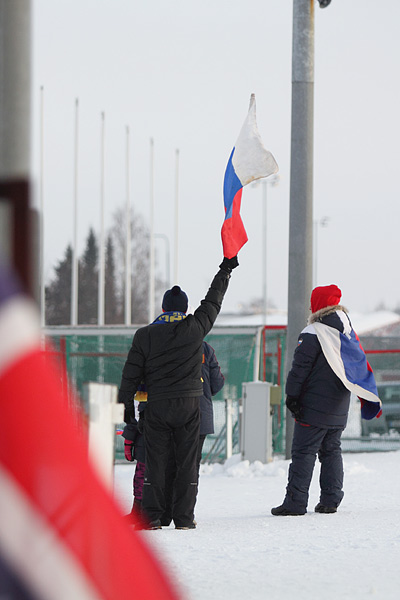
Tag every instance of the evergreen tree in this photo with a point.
(88, 282)
(113, 311)
(58, 292)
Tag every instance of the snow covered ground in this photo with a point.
(240, 551)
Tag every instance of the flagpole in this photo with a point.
(271, 181)
(100, 319)
(264, 184)
(176, 217)
(152, 266)
(128, 266)
(74, 270)
(41, 193)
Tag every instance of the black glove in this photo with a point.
(140, 425)
(129, 415)
(293, 405)
(228, 264)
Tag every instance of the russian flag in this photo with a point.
(347, 359)
(62, 537)
(248, 162)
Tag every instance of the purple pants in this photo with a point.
(138, 480)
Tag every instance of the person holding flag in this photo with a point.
(328, 365)
(167, 354)
(167, 357)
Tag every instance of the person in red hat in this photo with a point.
(319, 402)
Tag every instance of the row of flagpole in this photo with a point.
(74, 282)
(128, 294)
(128, 231)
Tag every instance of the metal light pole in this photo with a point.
(41, 197)
(152, 252)
(74, 266)
(100, 318)
(264, 184)
(272, 181)
(128, 265)
(176, 240)
(301, 183)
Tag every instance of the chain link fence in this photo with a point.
(244, 354)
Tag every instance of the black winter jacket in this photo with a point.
(168, 356)
(213, 382)
(324, 400)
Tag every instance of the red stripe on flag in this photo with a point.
(233, 233)
(42, 451)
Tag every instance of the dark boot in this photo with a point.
(136, 511)
(282, 511)
(320, 508)
(191, 526)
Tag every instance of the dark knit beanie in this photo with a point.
(175, 299)
(325, 295)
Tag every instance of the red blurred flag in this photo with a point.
(61, 534)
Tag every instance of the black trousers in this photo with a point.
(172, 423)
(170, 475)
(308, 441)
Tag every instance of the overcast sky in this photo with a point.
(181, 72)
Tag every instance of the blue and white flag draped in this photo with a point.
(347, 359)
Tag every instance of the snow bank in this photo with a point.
(239, 550)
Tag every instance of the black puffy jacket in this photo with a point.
(324, 400)
(168, 356)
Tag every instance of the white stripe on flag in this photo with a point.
(34, 550)
(329, 338)
(19, 329)
(251, 160)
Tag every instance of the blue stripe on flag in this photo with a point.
(232, 185)
(9, 286)
(355, 363)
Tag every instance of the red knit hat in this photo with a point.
(325, 295)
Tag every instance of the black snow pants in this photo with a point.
(308, 441)
(174, 421)
(170, 475)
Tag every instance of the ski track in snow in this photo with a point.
(239, 550)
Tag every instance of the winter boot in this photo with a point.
(282, 511)
(191, 526)
(320, 508)
(153, 524)
(135, 511)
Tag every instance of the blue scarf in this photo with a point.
(170, 317)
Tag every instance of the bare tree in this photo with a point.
(140, 260)
(58, 292)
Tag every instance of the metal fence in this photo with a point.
(244, 354)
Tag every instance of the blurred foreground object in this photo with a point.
(61, 534)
